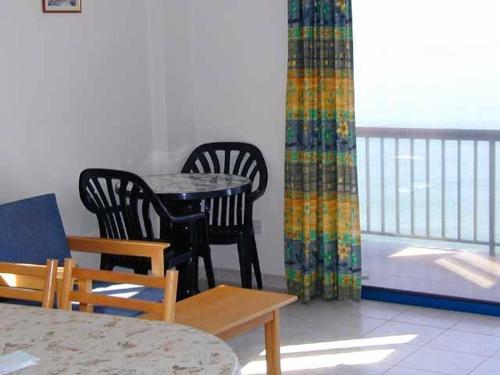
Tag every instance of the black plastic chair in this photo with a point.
(127, 208)
(231, 218)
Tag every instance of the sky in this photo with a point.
(427, 63)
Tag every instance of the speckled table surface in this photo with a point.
(82, 343)
(181, 186)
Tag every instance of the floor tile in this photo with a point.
(248, 347)
(346, 364)
(429, 317)
(374, 309)
(472, 343)
(374, 369)
(490, 367)
(422, 334)
(398, 370)
(443, 361)
(486, 325)
(348, 339)
(398, 352)
(325, 323)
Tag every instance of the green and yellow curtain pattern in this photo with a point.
(322, 235)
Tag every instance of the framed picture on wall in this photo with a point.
(62, 6)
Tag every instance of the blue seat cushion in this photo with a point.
(124, 291)
(31, 231)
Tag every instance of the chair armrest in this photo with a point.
(149, 249)
(256, 194)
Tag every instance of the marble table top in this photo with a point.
(83, 343)
(197, 185)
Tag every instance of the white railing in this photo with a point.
(435, 184)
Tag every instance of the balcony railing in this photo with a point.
(438, 184)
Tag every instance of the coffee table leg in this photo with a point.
(272, 333)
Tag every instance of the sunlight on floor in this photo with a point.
(419, 251)
(309, 362)
(345, 344)
(485, 264)
(460, 262)
(484, 281)
(312, 362)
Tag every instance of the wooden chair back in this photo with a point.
(29, 282)
(84, 295)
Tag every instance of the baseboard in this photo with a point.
(431, 300)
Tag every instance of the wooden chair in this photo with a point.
(147, 249)
(29, 282)
(87, 298)
(224, 311)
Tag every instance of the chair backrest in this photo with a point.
(164, 310)
(238, 158)
(126, 208)
(123, 203)
(29, 282)
(32, 231)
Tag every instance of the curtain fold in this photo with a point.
(322, 234)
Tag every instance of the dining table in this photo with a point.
(191, 193)
(186, 188)
(71, 342)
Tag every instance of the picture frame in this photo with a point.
(62, 6)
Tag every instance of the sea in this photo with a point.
(458, 209)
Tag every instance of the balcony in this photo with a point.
(429, 202)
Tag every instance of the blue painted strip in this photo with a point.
(430, 300)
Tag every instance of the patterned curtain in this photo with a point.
(322, 235)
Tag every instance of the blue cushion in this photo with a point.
(31, 231)
(125, 291)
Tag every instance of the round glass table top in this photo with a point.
(197, 185)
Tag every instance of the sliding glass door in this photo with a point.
(427, 94)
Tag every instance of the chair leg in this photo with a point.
(188, 278)
(106, 262)
(193, 272)
(272, 335)
(244, 257)
(255, 262)
(209, 270)
(141, 268)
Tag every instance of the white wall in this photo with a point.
(136, 85)
(74, 93)
(171, 80)
(225, 80)
(239, 59)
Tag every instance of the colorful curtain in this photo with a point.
(322, 235)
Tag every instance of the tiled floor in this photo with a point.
(459, 270)
(377, 338)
